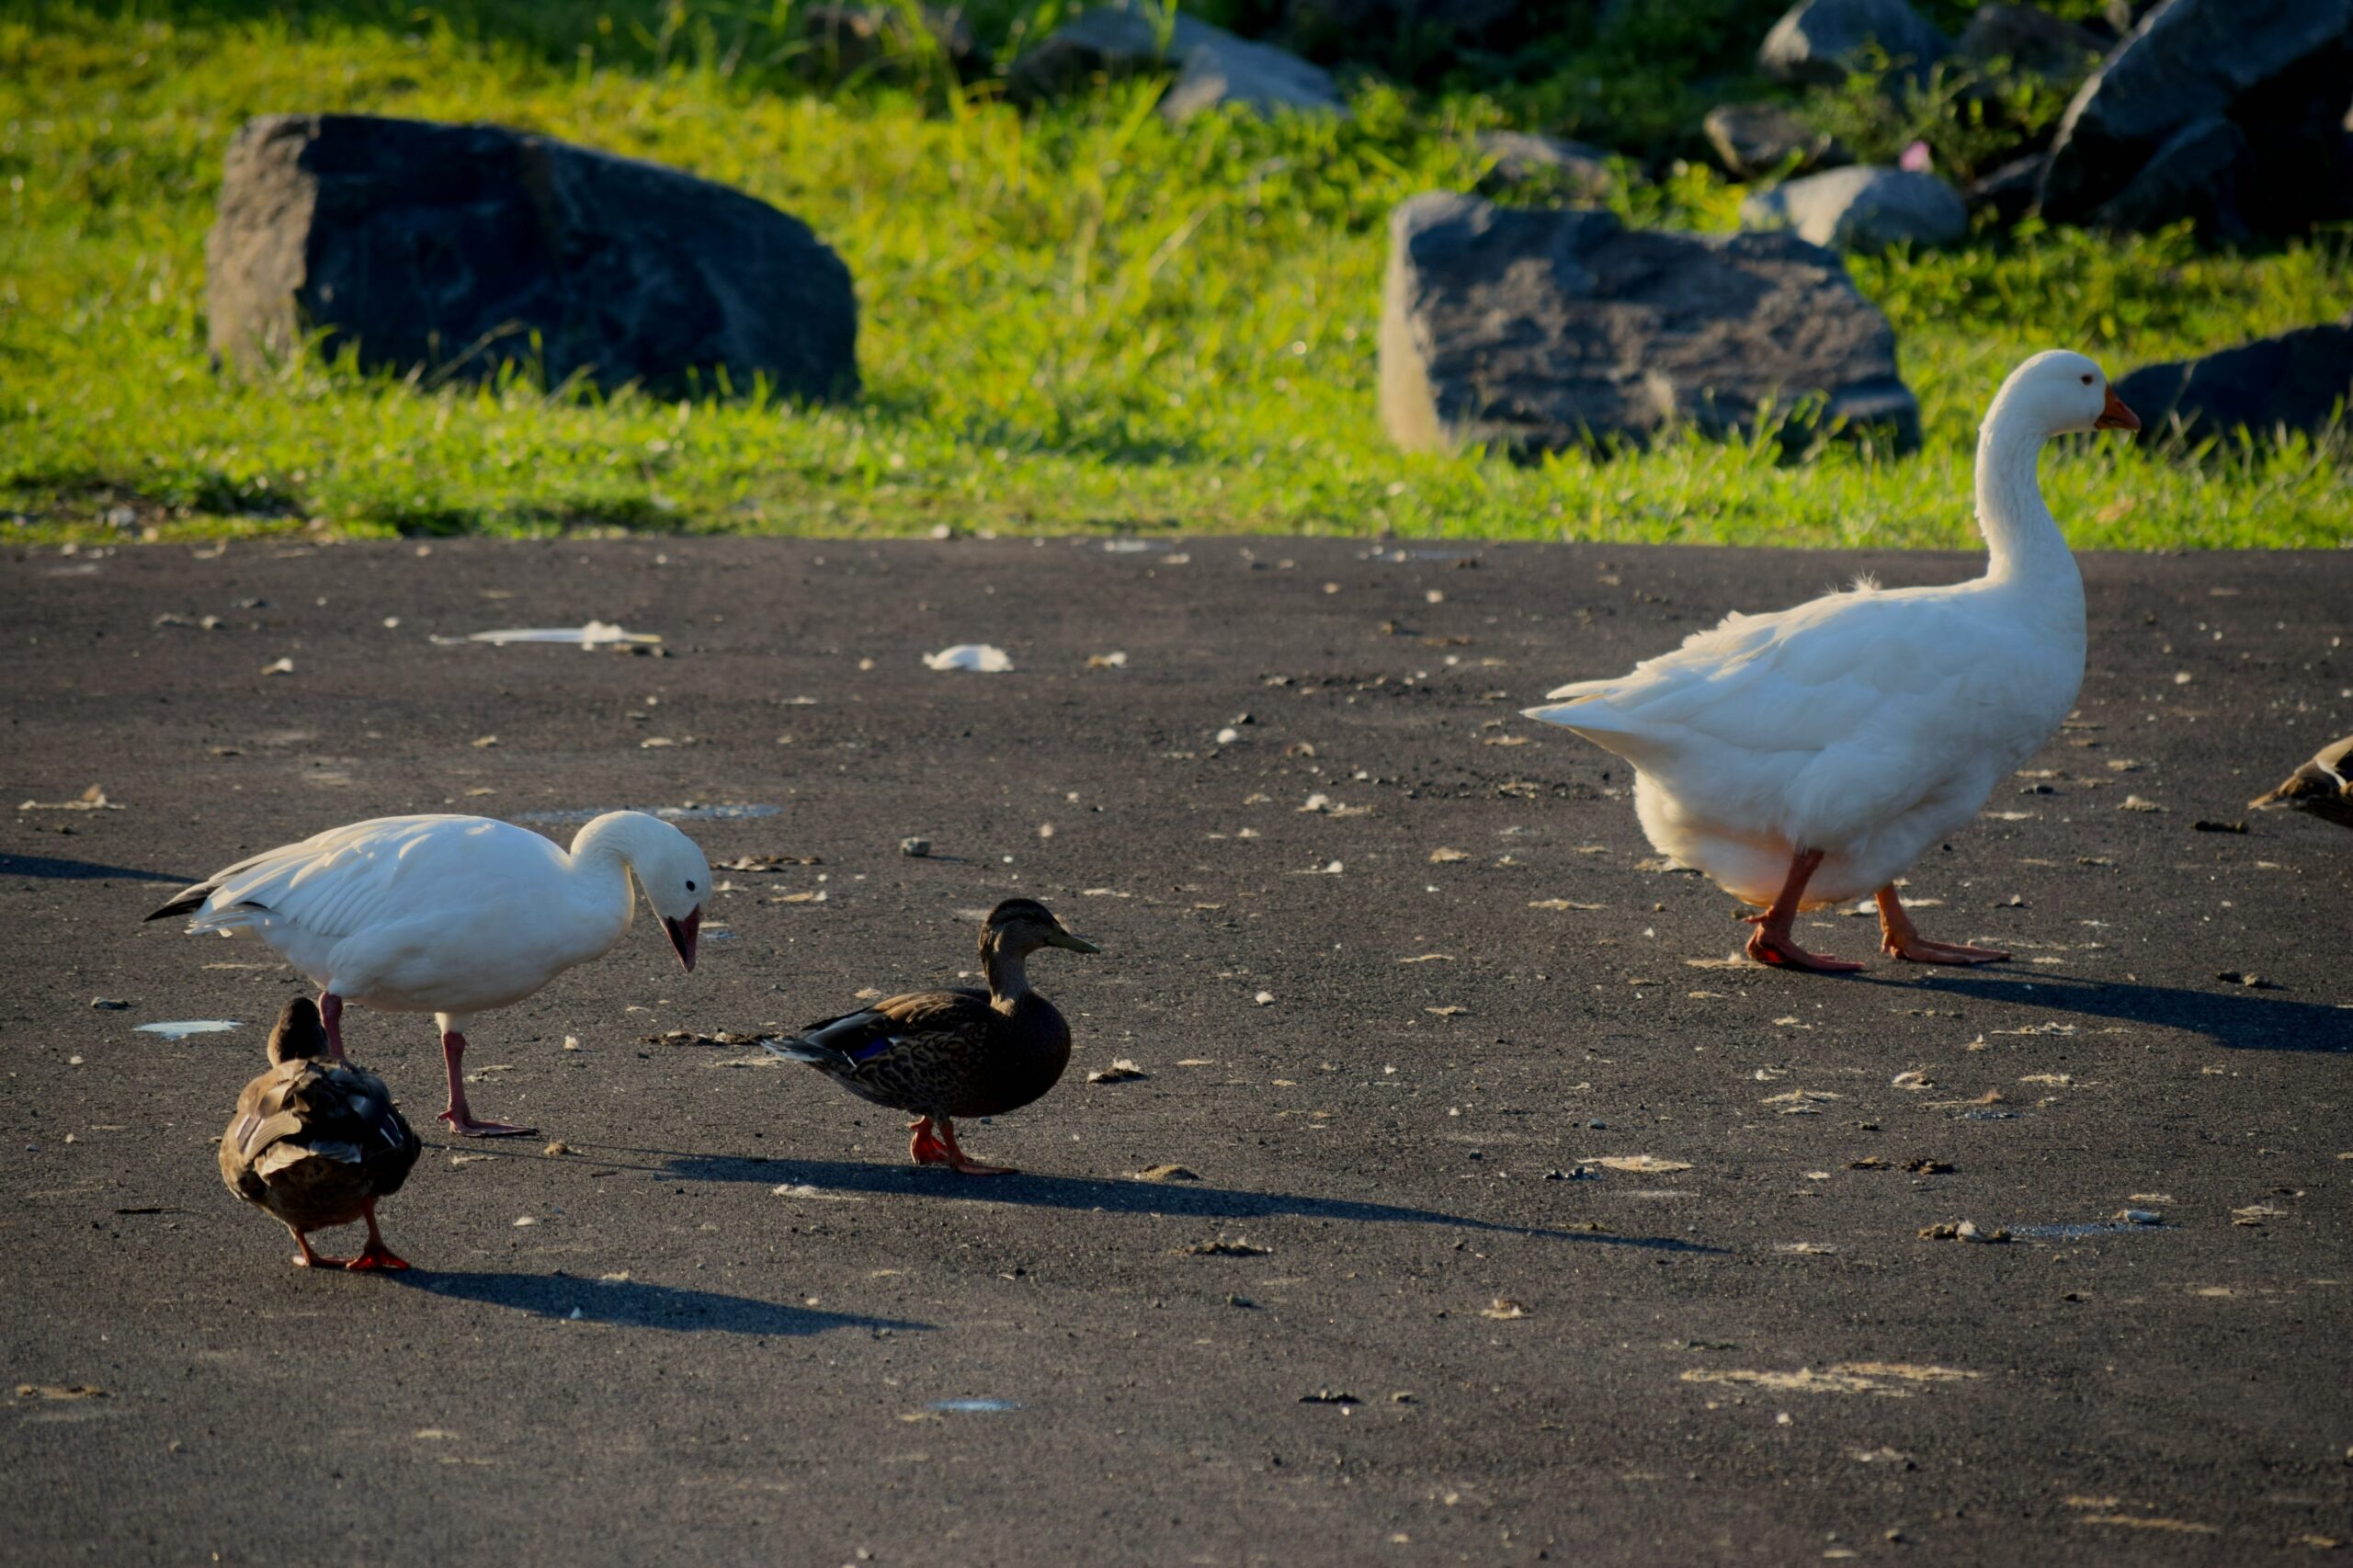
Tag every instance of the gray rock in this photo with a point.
(1226, 69)
(1862, 209)
(1821, 40)
(1524, 158)
(1215, 66)
(2281, 69)
(2191, 174)
(1350, 27)
(2031, 39)
(1537, 329)
(2298, 380)
(2009, 189)
(1756, 140)
(454, 247)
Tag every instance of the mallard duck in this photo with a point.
(316, 1141)
(452, 915)
(942, 1054)
(1807, 757)
(2322, 786)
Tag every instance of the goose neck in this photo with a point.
(2021, 537)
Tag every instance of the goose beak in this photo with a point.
(2115, 417)
(682, 935)
(1061, 938)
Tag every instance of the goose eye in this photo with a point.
(2087, 381)
(690, 887)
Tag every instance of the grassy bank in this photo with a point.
(1073, 318)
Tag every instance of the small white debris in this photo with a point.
(1264, 998)
(984, 657)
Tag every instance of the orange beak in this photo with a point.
(2115, 417)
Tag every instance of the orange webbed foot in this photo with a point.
(1776, 947)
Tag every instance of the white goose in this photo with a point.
(1807, 757)
(452, 915)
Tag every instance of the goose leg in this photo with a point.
(331, 1014)
(961, 1163)
(1897, 935)
(461, 1116)
(925, 1148)
(309, 1259)
(1771, 942)
(375, 1255)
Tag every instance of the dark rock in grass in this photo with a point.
(2011, 189)
(1522, 158)
(455, 248)
(2298, 380)
(2191, 174)
(1538, 329)
(1862, 209)
(1755, 140)
(846, 39)
(1385, 29)
(2280, 70)
(2031, 39)
(1821, 40)
(1215, 67)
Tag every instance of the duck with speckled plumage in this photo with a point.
(962, 1051)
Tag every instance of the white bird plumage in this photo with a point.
(1808, 757)
(452, 915)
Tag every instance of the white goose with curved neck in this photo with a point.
(1868, 724)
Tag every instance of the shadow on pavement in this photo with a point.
(631, 1305)
(1115, 1197)
(80, 871)
(2246, 1020)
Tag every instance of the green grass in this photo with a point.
(1073, 318)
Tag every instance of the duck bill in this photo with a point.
(1075, 944)
(683, 934)
(2115, 417)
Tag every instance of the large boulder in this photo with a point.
(1213, 66)
(1821, 40)
(2280, 70)
(456, 248)
(2031, 39)
(2193, 175)
(1755, 140)
(1536, 329)
(2298, 380)
(1862, 209)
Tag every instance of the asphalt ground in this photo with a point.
(1407, 1313)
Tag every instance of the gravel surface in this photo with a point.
(1523, 1221)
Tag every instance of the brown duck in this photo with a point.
(316, 1141)
(2322, 786)
(943, 1054)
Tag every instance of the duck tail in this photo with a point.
(794, 1048)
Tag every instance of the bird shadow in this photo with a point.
(1114, 1196)
(53, 868)
(2242, 1020)
(628, 1304)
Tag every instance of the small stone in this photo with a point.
(915, 848)
(108, 1005)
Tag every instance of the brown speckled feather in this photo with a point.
(312, 1140)
(941, 1053)
(2323, 786)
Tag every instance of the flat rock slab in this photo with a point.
(1538, 329)
(455, 249)
(740, 1317)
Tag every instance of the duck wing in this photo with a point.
(910, 1051)
(312, 1140)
